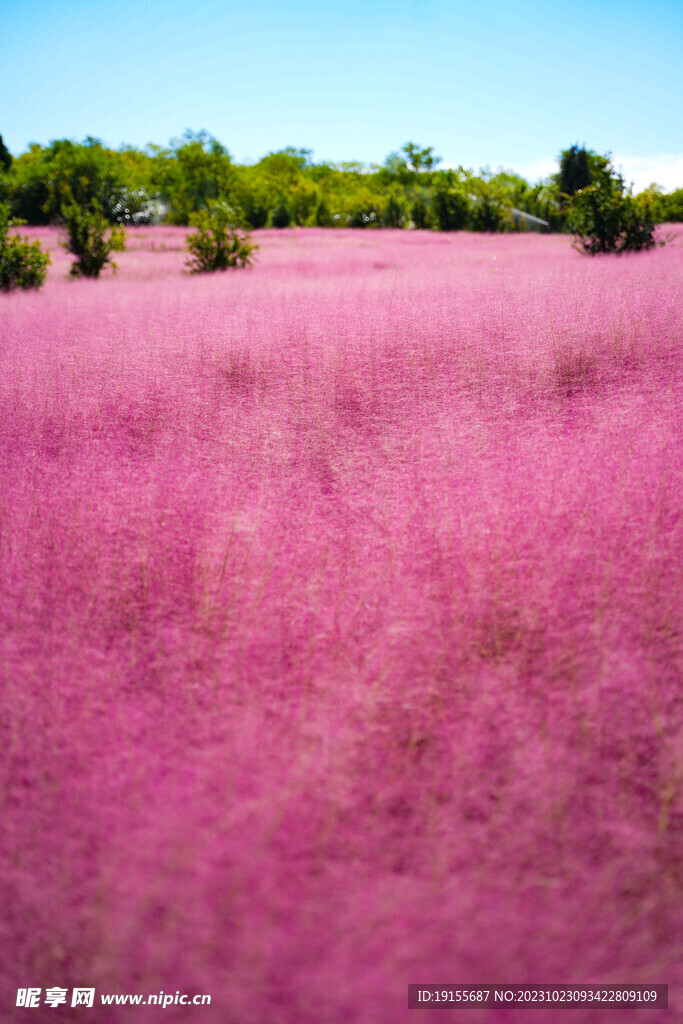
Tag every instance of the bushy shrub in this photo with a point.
(392, 214)
(605, 217)
(323, 218)
(220, 241)
(364, 215)
(419, 214)
(23, 264)
(672, 206)
(302, 200)
(250, 195)
(280, 216)
(450, 207)
(255, 213)
(489, 214)
(90, 239)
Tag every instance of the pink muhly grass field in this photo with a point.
(340, 626)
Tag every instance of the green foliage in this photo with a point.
(23, 264)
(255, 212)
(280, 216)
(579, 168)
(90, 239)
(322, 217)
(87, 174)
(418, 159)
(250, 195)
(511, 190)
(220, 241)
(651, 204)
(286, 187)
(574, 171)
(490, 210)
(405, 179)
(543, 200)
(392, 214)
(285, 166)
(671, 207)
(44, 180)
(412, 161)
(5, 156)
(395, 170)
(365, 214)
(191, 173)
(303, 200)
(600, 167)
(419, 213)
(351, 197)
(451, 204)
(606, 218)
(28, 186)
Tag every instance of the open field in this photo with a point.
(340, 626)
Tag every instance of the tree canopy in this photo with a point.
(287, 187)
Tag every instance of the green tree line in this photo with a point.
(409, 190)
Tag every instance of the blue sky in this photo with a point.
(485, 82)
